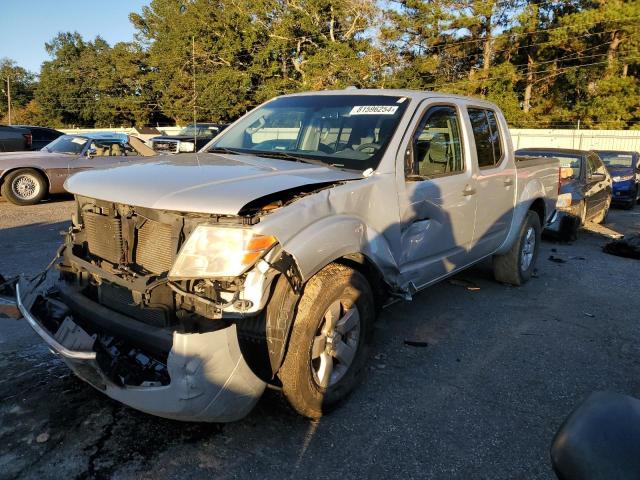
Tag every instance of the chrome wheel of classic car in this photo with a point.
(24, 187)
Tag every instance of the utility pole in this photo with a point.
(9, 97)
(193, 61)
(183, 9)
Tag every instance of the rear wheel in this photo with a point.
(329, 341)
(24, 187)
(516, 266)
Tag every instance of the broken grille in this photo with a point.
(155, 242)
(156, 249)
(104, 236)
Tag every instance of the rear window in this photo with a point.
(617, 159)
(570, 165)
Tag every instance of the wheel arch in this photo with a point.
(536, 204)
(39, 170)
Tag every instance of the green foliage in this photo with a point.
(546, 63)
(21, 84)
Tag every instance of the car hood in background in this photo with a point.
(620, 171)
(32, 155)
(202, 183)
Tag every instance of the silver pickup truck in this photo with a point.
(185, 287)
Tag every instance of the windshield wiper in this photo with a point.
(223, 150)
(288, 156)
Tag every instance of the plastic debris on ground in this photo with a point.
(625, 247)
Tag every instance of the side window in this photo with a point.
(482, 137)
(486, 134)
(599, 165)
(437, 147)
(591, 166)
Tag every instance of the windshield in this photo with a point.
(69, 144)
(350, 131)
(201, 131)
(617, 159)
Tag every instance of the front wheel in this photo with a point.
(24, 187)
(516, 266)
(329, 341)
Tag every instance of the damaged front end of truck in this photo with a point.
(134, 309)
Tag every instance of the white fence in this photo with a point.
(522, 138)
(577, 139)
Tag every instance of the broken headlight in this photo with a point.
(564, 200)
(212, 251)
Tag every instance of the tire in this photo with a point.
(601, 217)
(315, 378)
(24, 187)
(516, 266)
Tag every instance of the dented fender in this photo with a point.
(329, 224)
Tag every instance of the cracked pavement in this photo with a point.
(502, 367)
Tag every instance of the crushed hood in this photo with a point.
(201, 183)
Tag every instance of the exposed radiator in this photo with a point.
(156, 247)
(104, 236)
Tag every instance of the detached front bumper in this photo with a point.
(209, 378)
(564, 223)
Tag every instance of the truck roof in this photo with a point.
(412, 94)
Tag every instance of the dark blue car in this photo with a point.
(584, 192)
(624, 169)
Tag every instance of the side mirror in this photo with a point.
(600, 439)
(598, 177)
(92, 152)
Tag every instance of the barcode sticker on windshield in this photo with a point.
(373, 110)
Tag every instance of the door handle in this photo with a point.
(508, 182)
(468, 190)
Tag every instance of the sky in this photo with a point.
(25, 25)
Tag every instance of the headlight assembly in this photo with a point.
(564, 200)
(187, 146)
(212, 251)
(623, 178)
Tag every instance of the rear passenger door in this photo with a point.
(436, 198)
(495, 180)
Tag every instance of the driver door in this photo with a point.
(438, 202)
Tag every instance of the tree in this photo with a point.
(89, 83)
(249, 51)
(21, 85)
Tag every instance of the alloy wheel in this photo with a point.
(335, 344)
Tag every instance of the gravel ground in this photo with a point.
(502, 368)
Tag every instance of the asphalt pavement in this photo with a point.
(489, 376)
